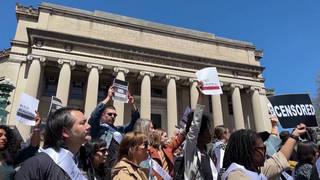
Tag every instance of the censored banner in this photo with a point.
(292, 109)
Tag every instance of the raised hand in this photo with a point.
(37, 119)
(300, 130)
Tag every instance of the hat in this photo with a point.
(264, 135)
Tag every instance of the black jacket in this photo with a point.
(41, 167)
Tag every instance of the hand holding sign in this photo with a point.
(110, 91)
(199, 88)
(37, 119)
(300, 130)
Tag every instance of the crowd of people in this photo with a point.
(70, 146)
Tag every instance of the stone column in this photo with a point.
(217, 109)
(121, 72)
(64, 80)
(172, 111)
(193, 93)
(146, 94)
(34, 74)
(237, 106)
(257, 111)
(92, 88)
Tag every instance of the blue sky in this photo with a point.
(287, 30)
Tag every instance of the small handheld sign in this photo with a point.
(120, 90)
(26, 109)
(209, 77)
(54, 105)
(292, 109)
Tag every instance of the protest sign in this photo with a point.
(209, 77)
(26, 109)
(54, 105)
(184, 119)
(292, 109)
(120, 90)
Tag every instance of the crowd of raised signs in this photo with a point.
(69, 146)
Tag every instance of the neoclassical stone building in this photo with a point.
(75, 54)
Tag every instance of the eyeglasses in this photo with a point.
(114, 114)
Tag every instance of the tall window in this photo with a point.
(77, 89)
(103, 90)
(156, 120)
(157, 92)
(51, 83)
(230, 108)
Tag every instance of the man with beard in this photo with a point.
(66, 130)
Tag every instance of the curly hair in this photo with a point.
(240, 148)
(10, 152)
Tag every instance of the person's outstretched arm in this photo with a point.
(95, 117)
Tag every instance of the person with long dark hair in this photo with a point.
(93, 157)
(307, 155)
(9, 148)
(245, 156)
(11, 154)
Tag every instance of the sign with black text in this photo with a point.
(54, 105)
(26, 109)
(292, 109)
(120, 90)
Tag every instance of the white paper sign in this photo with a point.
(26, 109)
(120, 90)
(211, 83)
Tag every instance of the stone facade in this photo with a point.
(75, 54)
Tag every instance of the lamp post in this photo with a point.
(6, 87)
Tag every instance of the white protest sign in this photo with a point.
(120, 90)
(211, 83)
(26, 110)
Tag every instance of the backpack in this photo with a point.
(178, 168)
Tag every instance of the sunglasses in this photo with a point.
(114, 114)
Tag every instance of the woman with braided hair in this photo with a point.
(245, 156)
